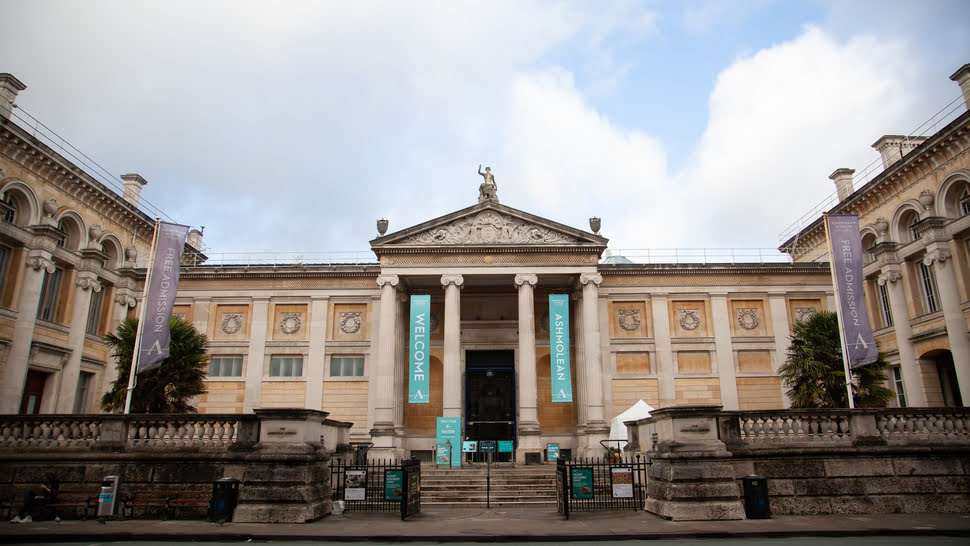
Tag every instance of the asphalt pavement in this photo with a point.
(490, 525)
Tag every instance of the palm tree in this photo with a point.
(814, 374)
(168, 388)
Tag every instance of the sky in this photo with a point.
(292, 126)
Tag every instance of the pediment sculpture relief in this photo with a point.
(489, 228)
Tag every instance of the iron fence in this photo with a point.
(594, 485)
(377, 485)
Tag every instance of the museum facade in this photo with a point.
(335, 337)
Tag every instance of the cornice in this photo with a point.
(278, 272)
(799, 268)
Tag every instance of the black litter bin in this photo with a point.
(756, 497)
(225, 495)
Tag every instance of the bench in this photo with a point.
(85, 499)
(170, 499)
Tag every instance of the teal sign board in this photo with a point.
(562, 385)
(552, 452)
(581, 481)
(419, 382)
(505, 446)
(469, 447)
(449, 431)
(393, 485)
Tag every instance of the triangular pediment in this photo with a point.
(489, 225)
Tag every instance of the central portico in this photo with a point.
(488, 270)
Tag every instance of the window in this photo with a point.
(94, 312)
(62, 242)
(927, 283)
(346, 366)
(9, 209)
(225, 366)
(49, 291)
(913, 232)
(5, 252)
(965, 202)
(884, 309)
(898, 383)
(81, 396)
(286, 366)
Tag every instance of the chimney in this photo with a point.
(892, 148)
(132, 192)
(962, 77)
(195, 239)
(843, 182)
(9, 87)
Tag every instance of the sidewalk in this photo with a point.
(492, 525)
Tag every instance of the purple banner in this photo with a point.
(845, 245)
(164, 274)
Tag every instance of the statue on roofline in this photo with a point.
(488, 191)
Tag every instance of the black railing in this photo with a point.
(377, 485)
(593, 485)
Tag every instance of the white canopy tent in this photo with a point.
(640, 410)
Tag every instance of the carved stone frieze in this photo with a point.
(748, 319)
(802, 313)
(350, 322)
(489, 228)
(689, 319)
(231, 323)
(290, 323)
(629, 319)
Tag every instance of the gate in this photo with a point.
(378, 485)
(592, 485)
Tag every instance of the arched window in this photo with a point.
(913, 232)
(9, 209)
(964, 203)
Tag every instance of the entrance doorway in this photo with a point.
(490, 397)
(33, 393)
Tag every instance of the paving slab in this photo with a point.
(491, 525)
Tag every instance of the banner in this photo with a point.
(845, 248)
(419, 382)
(562, 385)
(163, 277)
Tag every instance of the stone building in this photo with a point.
(915, 222)
(335, 337)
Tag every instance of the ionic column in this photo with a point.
(451, 377)
(724, 353)
(592, 366)
(87, 284)
(382, 377)
(578, 357)
(912, 378)
(528, 416)
(15, 369)
(938, 256)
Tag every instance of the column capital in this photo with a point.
(125, 300)
(456, 280)
(889, 276)
(393, 280)
(39, 262)
(88, 283)
(526, 278)
(587, 278)
(938, 254)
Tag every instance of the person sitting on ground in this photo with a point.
(46, 495)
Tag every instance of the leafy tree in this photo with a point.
(169, 387)
(814, 374)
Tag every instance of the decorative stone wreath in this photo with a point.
(748, 318)
(350, 322)
(629, 319)
(689, 319)
(290, 323)
(231, 323)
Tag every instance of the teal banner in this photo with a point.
(393, 485)
(562, 385)
(449, 434)
(419, 384)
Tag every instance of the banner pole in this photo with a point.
(838, 313)
(141, 318)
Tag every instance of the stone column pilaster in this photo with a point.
(778, 308)
(528, 415)
(382, 376)
(579, 394)
(256, 359)
(451, 398)
(665, 354)
(15, 369)
(938, 256)
(891, 277)
(317, 365)
(86, 284)
(597, 427)
(724, 352)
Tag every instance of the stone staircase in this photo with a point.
(520, 485)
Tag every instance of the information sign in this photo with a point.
(506, 446)
(443, 455)
(393, 484)
(622, 478)
(486, 446)
(355, 485)
(581, 480)
(449, 431)
(413, 503)
(552, 452)
(469, 446)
